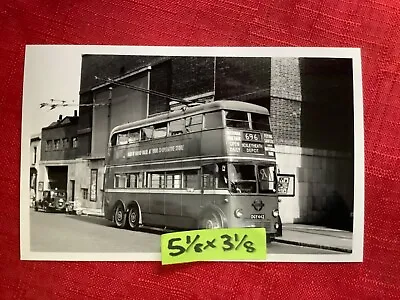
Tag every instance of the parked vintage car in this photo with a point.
(53, 200)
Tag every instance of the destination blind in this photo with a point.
(249, 143)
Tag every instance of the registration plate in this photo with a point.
(257, 216)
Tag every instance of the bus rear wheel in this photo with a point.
(133, 218)
(119, 216)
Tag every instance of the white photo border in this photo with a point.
(63, 52)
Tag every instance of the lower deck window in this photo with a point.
(134, 180)
(174, 181)
(119, 181)
(191, 179)
(156, 180)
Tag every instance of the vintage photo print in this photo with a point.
(122, 144)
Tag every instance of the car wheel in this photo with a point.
(133, 218)
(46, 207)
(119, 216)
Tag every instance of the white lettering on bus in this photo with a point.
(252, 145)
(234, 149)
(234, 144)
(234, 138)
(155, 150)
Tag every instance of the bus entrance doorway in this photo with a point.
(58, 176)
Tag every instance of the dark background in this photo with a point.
(372, 26)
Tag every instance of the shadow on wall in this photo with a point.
(327, 127)
(336, 213)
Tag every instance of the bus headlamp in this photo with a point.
(276, 226)
(238, 213)
(275, 213)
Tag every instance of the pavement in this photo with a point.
(91, 212)
(316, 237)
(295, 234)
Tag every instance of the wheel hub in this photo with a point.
(119, 215)
(132, 217)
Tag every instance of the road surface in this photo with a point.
(58, 232)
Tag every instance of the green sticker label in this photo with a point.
(213, 245)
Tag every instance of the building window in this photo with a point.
(85, 194)
(74, 142)
(34, 154)
(57, 145)
(49, 145)
(93, 185)
(65, 144)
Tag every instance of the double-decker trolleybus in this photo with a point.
(207, 166)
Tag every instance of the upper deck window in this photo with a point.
(177, 127)
(213, 120)
(194, 123)
(160, 131)
(237, 119)
(260, 122)
(122, 139)
(133, 136)
(154, 132)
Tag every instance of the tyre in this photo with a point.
(133, 218)
(210, 220)
(46, 207)
(269, 239)
(120, 216)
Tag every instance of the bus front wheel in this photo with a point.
(133, 217)
(119, 216)
(210, 220)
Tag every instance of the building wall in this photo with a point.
(59, 133)
(126, 106)
(244, 79)
(327, 94)
(81, 173)
(34, 165)
(307, 122)
(323, 189)
(43, 173)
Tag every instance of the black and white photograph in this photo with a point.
(123, 144)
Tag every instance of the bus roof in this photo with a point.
(211, 106)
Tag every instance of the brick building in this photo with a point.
(310, 101)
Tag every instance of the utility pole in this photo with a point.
(109, 109)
